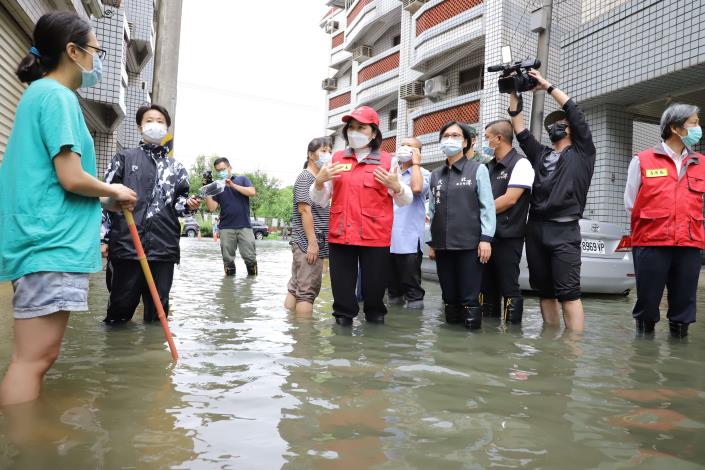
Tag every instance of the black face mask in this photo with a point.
(556, 131)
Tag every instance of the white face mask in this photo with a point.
(154, 132)
(358, 140)
(404, 154)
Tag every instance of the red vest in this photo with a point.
(669, 212)
(361, 210)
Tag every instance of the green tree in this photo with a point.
(283, 205)
(267, 188)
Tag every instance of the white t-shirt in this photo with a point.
(522, 175)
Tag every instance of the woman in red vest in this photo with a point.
(361, 184)
(664, 195)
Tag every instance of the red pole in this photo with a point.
(150, 282)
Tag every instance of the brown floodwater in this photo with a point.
(256, 387)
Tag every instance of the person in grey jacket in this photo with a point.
(162, 187)
(463, 222)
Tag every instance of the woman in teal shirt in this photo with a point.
(49, 207)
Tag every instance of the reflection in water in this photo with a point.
(256, 387)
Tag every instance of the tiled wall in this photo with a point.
(379, 67)
(110, 34)
(639, 40)
(441, 12)
(140, 13)
(645, 136)
(338, 101)
(356, 9)
(612, 134)
(386, 41)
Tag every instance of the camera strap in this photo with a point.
(520, 107)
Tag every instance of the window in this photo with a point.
(472, 79)
(393, 120)
(396, 40)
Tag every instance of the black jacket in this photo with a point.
(563, 193)
(162, 188)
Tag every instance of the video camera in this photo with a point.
(210, 188)
(207, 177)
(521, 80)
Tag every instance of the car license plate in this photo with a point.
(593, 247)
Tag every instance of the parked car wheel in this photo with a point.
(191, 233)
(259, 236)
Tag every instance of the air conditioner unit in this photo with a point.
(435, 88)
(412, 6)
(329, 84)
(362, 53)
(411, 91)
(332, 26)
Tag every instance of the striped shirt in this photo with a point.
(320, 216)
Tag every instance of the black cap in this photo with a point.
(557, 115)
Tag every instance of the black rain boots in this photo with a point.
(513, 310)
(472, 317)
(678, 330)
(645, 327)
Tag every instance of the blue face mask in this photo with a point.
(323, 159)
(90, 78)
(693, 137)
(222, 174)
(451, 147)
(487, 150)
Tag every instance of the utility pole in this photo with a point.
(540, 23)
(166, 55)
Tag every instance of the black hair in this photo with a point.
(502, 128)
(374, 144)
(467, 134)
(220, 160)
(51, 35)
(148, 107)
(316, 144)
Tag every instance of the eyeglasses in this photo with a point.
(101, 52)
(453, 136)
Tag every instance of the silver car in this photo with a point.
(607, 267)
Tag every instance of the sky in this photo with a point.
(249, 85)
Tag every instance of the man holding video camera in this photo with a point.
(563, 175)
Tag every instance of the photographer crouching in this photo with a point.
(559, 193)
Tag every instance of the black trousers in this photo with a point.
(405, 276)
(128, 285)
(501, 275)
(676, 268)
(374, 265)
(554, 256)
(460, 276)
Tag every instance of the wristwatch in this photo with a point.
(550, 89)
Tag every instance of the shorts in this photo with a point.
(305, 282)
(553, 253)
(44, 293)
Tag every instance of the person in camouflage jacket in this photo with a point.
(162, 187)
